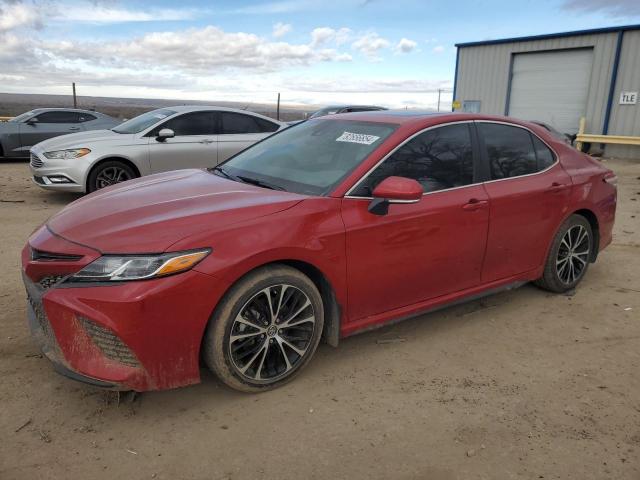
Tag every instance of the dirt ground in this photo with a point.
(523, 384)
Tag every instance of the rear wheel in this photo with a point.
(265, 330)
(569, 256)
(109, 173)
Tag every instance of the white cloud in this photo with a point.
(18, 15)
(281, 29)
(104, 14)
(616, 8)
(370, 44)
(438, 49)
(322, 35)
(405, 45)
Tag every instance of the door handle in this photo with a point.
(206, 141)
(475, 204)
(556, 187)
(74, 128)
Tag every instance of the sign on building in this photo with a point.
(628, 98)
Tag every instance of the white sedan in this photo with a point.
(157, 141)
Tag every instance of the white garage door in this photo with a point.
(551, 87)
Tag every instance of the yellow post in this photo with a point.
(583, 122)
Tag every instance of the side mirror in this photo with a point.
(32, 121)
(164, 134)
(394, 190)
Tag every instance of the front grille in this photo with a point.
(109, 343)
(36, 162)
(50, 280)
(46, 256)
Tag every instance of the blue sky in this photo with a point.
(396, 53)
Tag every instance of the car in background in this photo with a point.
(563, 137)
(157, 141)
(331, 227)
(335, 109)
(19, 134)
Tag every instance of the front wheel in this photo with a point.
(265, 329)
(109, 173)
(569, 255)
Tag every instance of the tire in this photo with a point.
(569, 256)
(109, 173)
(265, 353)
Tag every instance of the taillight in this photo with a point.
(611, 178)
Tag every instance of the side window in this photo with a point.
(238, 123)
(439, 159)
(510, 150)
(57, 117)
(545, 156)
(266, 126)
(195, 123)
(85, 117)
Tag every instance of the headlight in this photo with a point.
(67, 154)
(116, 268)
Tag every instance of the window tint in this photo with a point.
(195, 123)
(85, 117)
(439, 159)
(265, 125)
(239, 123)
(510, 150)
(310, 157)
(544, 154)
(57, 117)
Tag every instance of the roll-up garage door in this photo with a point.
(551, 87)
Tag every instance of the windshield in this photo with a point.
(23, 117)
(309, 158)
(144, 121)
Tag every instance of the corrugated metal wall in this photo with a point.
(625, 119)
(483, 74)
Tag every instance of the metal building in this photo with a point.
(557, 78)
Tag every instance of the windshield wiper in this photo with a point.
(225, 173)
(259, 183)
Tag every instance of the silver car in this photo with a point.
(156, 141)
(20, 133)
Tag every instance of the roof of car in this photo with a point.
(198, 108)
(423, 118)
(55, 109)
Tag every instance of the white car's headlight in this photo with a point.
(118, 268)
(67, 154)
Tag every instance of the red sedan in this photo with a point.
(333, 226)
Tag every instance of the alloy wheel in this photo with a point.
(573, 254)
(272, 333)
(111, 176)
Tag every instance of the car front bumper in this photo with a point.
(143, 335)
(59, 175)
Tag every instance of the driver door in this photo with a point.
(418, 251)
(193, 146)
(48, 125)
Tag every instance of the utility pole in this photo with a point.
(439, 92)
(75, 102)
(278, 108)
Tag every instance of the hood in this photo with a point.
(79, 140)
(149, 214)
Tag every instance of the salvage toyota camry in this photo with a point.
(328, 228)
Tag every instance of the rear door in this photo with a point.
(423, 250)
(528, 191)
(193, 146)
(239, 131)
(47, 125)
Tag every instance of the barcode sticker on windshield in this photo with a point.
(357, 138)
